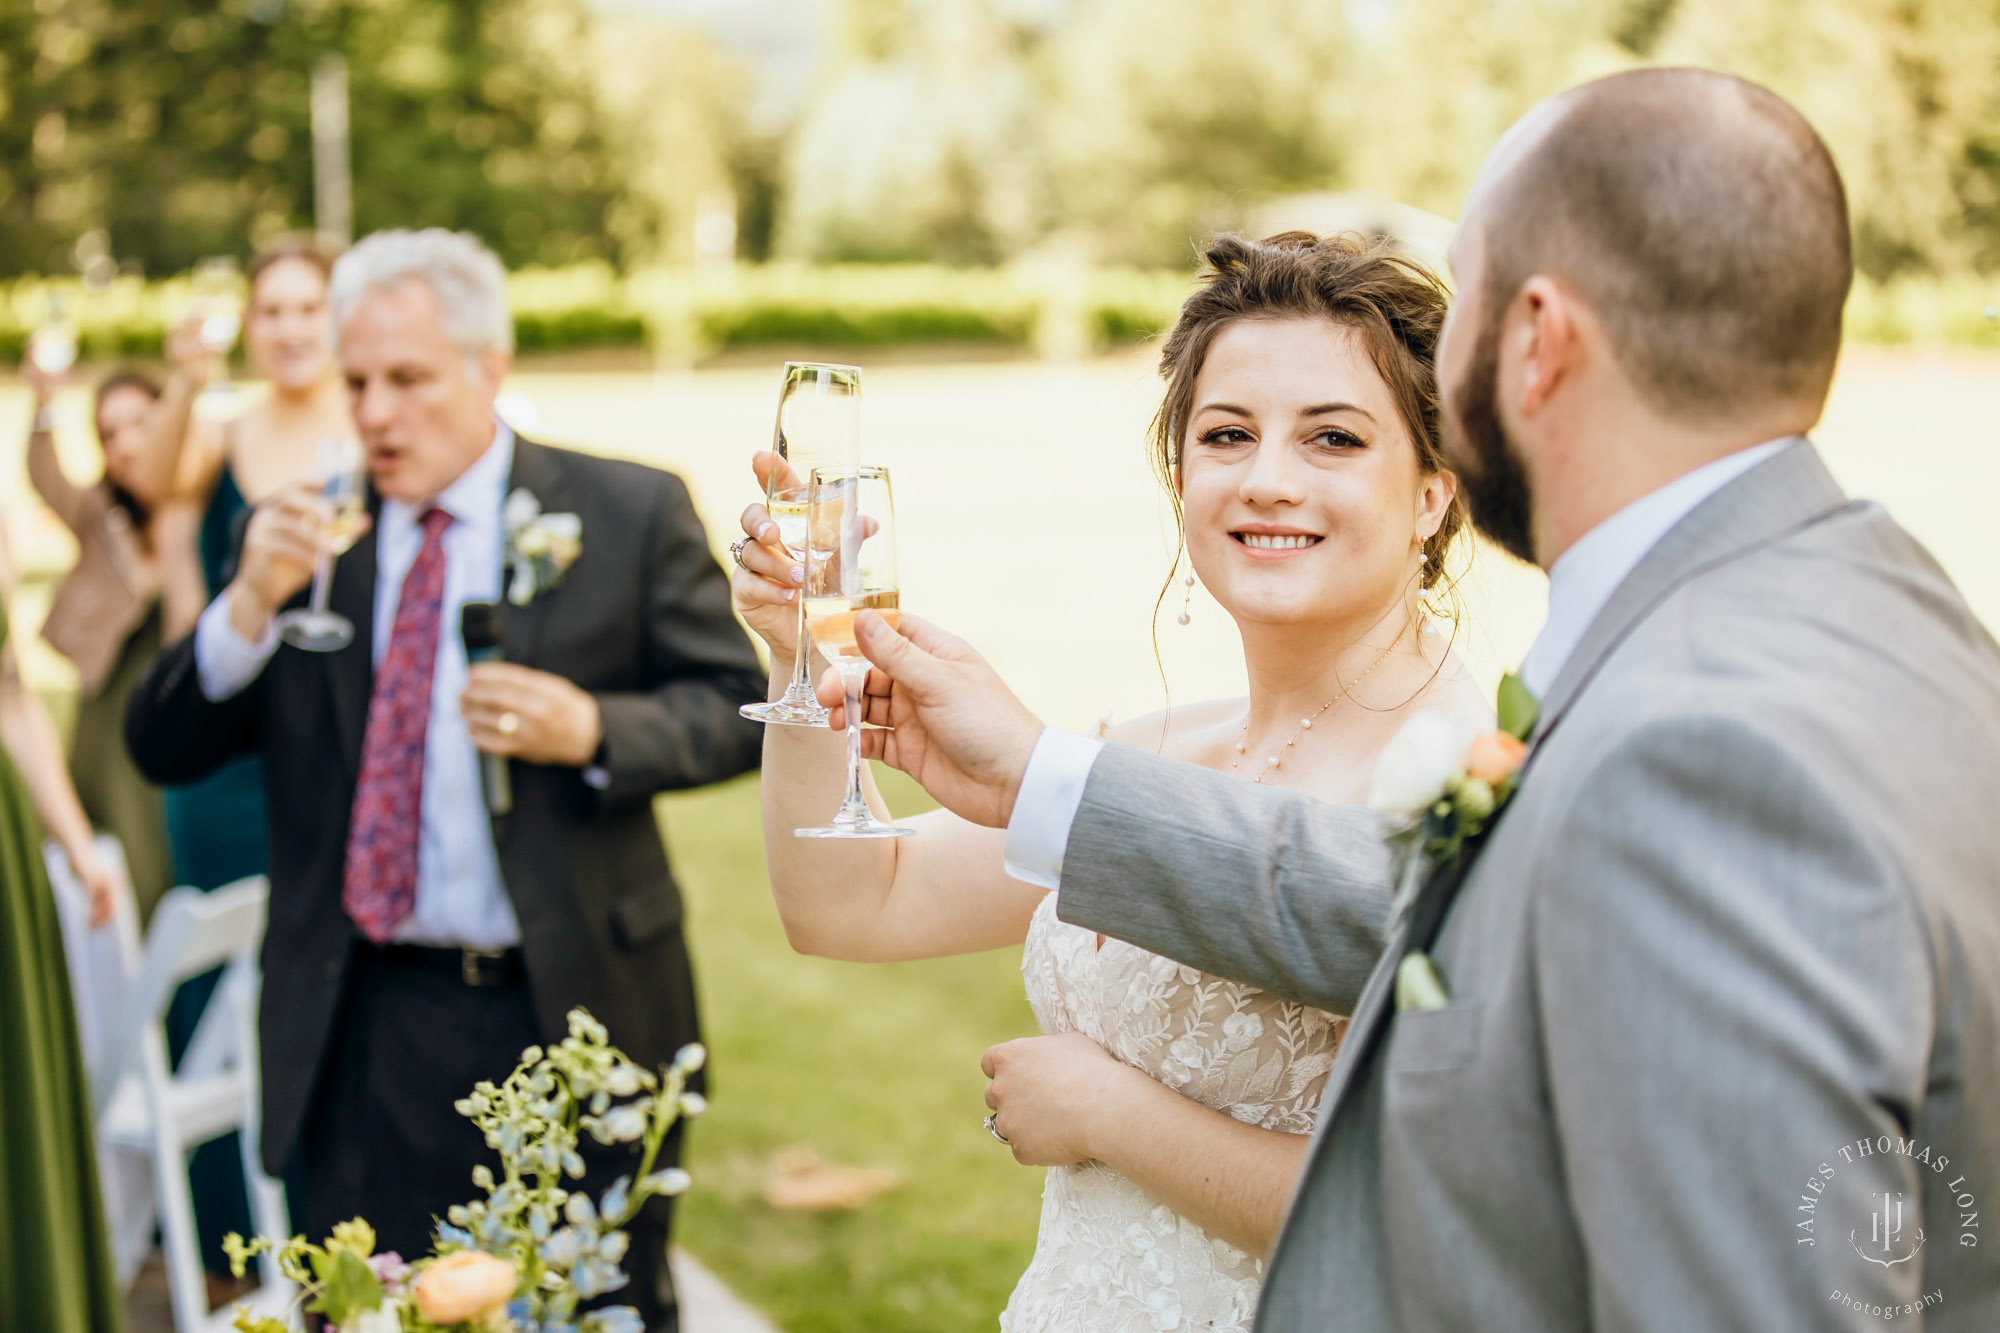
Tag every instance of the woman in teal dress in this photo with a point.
(216, 827)
(55, 1255)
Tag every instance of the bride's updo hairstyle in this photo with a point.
(1394, 304)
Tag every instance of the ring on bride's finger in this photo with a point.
(736, 552)
(508, 724)
(994, 1130)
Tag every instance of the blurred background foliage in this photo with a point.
(946, 132)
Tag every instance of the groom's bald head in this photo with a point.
(1699, 217)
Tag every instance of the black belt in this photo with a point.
(474, 967)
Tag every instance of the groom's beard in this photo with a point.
(1489, 467)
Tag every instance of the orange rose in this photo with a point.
(463, 1286)
(1494, 757)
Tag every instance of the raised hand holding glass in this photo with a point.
(819, 426)
(344, 472)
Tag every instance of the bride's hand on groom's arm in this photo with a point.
(1053, 1097)
(943, 716)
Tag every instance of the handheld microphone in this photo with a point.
(481, 625)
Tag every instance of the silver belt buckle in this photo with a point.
(472, 966)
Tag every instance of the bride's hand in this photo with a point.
(765, 586)
(1055, 1097)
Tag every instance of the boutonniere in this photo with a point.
(540, 547)
(1437, 790)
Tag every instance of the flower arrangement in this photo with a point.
(524, 1258)
(1438, 788)
(540, 547)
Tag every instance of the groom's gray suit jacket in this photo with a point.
(1724, 975)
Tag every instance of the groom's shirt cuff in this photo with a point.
(1045, 807)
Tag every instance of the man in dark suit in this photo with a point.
(417, 940)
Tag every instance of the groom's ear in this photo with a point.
(1548, 334)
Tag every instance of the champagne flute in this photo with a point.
(218, 300)
(819, 425)
(850, 568)
(314, 628)
(53, 346)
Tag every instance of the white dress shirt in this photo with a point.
(1580, 583)
(461, 900)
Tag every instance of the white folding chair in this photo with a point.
(143, 1104)
(102, 962)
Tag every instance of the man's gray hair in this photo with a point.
(465, 276)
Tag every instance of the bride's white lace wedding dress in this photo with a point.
(1109, 1259)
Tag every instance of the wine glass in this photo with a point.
(850, 567)
(314, 628)
(218, 300)
(53, 345)
(819, 425)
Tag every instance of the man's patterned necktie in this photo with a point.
(380, 888)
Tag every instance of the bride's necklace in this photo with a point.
(1305, 723)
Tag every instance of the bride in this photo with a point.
(1299, 441)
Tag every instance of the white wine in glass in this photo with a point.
(819, 426)
(345, 482)
(52, 347)
(850, 568)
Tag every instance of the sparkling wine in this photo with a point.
(830, 621)
(219, 330)
(790, 516)
(346, 525)
(53, 349)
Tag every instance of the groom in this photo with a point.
(1717, 1044)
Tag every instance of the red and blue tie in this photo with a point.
(380, 887)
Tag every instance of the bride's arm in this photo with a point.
(1062, 1100)
(943, 891)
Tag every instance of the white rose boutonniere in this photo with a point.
(540, 547)
(1438, 787)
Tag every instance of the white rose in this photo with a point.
(1416, 763)
(385, 1319)
(521, 509)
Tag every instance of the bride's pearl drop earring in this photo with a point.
(1187, 600)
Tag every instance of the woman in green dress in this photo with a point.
(55, 1257)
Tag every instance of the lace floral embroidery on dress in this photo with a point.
(1108, 1259)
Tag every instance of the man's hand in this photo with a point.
(278, 554)
(520, 713)
(1051, 1095)
(947, 718)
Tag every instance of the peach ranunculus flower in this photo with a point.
(463, 1286)
(1494, 757)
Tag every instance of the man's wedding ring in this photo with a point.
(508, 724)
(994, 1130)
(736, 552)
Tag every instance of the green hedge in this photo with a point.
(1059, 309)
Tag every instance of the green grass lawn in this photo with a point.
(867, 1065)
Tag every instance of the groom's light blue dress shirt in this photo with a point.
(461, 900)
(1580, 583)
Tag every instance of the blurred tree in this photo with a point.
(923, 144)
(183, 127)
(1165, 117)
(675, 109)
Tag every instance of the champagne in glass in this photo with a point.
(53, 345)
(218, 300)
(313, 627)
(850, 568)
(819, 426)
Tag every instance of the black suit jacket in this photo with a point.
(643, 622)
